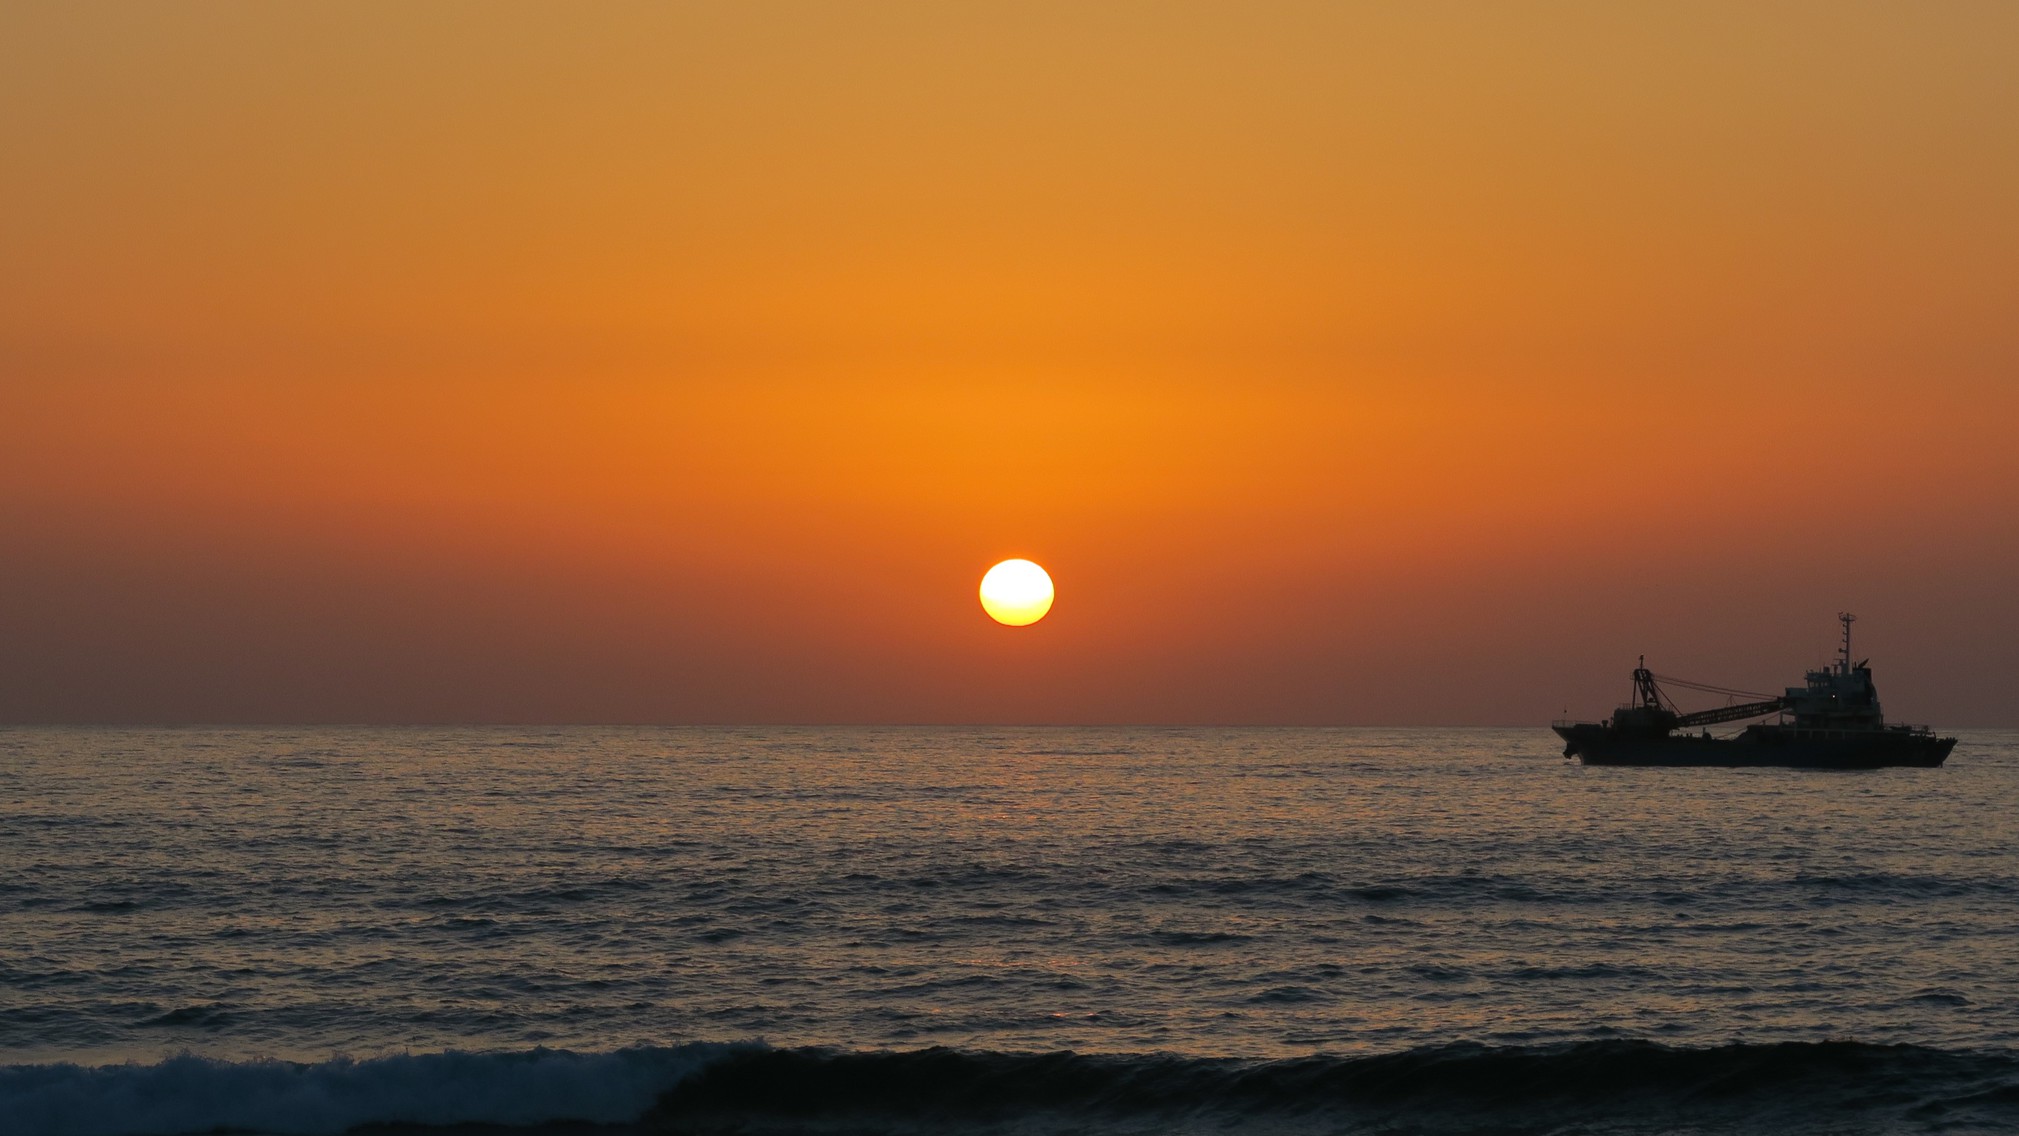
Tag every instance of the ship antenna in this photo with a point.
(1848, 619)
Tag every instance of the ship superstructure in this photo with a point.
(1832, 722)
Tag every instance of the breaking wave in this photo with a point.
(1608, 1086)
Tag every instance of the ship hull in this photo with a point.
(1770, 746)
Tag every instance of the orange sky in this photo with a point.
(1396, 364)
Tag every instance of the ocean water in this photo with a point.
(787, 930)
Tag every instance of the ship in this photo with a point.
(1832, 722)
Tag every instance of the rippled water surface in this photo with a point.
(1200, 894)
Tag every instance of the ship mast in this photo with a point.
(1646, 694)
(1847, 619)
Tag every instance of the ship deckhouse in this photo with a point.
(1840, 696)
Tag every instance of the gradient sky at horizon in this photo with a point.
(690, 363)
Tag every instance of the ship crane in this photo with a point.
(1648, 696)
(1730, 713)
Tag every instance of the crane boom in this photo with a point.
(1730, 713)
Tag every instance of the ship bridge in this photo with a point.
(1841, 696)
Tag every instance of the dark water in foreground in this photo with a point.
(792, 930)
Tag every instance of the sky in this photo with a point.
(690, 363)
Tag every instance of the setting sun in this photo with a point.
(1016, 592)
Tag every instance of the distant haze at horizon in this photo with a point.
(505, 364)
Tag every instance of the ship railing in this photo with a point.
(1831, 733)
(1567, 722)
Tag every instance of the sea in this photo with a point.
(311, 931)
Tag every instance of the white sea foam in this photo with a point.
(195, 1094)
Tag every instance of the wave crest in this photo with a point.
(1616, 1086)
(285, 1098)
(1624, 1086)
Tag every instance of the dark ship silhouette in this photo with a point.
(1832, 723)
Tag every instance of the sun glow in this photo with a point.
(1016, 592)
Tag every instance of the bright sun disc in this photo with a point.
(1016, 592)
